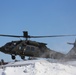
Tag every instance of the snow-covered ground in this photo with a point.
(39, 67)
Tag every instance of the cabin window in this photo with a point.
(27, 48)
(32, 48)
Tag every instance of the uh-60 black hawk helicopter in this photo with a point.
(30, 48)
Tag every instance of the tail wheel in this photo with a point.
(13, 57)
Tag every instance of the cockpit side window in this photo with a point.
(20, 47)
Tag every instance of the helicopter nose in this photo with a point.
(1, 49)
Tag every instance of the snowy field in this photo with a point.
(39, 67)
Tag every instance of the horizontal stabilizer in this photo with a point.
(70, 43)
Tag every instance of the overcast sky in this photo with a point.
(39, 17)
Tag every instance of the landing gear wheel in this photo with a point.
(13, 57)
(23, 57)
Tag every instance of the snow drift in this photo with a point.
(39, 67)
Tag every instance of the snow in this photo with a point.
(39, 67)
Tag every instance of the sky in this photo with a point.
(38, 17)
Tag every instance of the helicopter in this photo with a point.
(30, 48)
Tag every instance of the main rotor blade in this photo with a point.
(51, 36)
(10, 36)
(35, 36)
